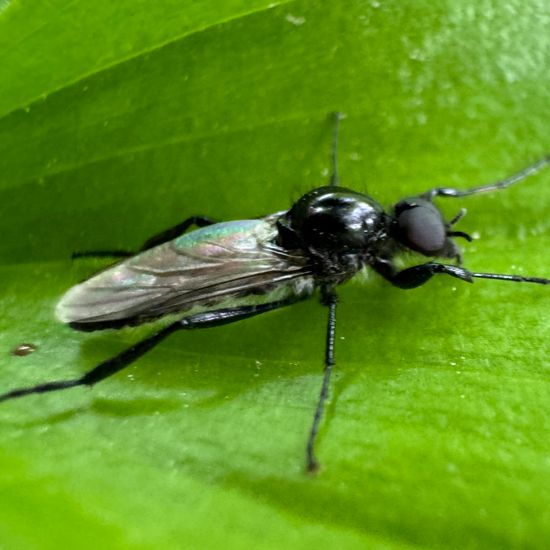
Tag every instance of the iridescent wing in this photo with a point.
(236, 262)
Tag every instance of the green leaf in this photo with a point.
(118, 120)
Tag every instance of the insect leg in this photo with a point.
(417, 275)
(177, 230)
(118, 362)
(101, 254)
(162, 237)
(334, 178)
(330, 299)
(501, 184)
(101, 371)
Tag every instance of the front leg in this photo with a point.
(417, 275)
(495, 186)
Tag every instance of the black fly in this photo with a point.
(234, 270)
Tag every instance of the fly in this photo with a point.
(234, 270)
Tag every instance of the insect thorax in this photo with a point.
(338, 229)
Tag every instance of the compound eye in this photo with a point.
(421, 227)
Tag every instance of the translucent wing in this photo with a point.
(225, 261)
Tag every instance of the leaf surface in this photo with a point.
(118, 120)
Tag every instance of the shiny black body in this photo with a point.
(340, 230)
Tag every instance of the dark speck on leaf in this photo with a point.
(23, 349)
